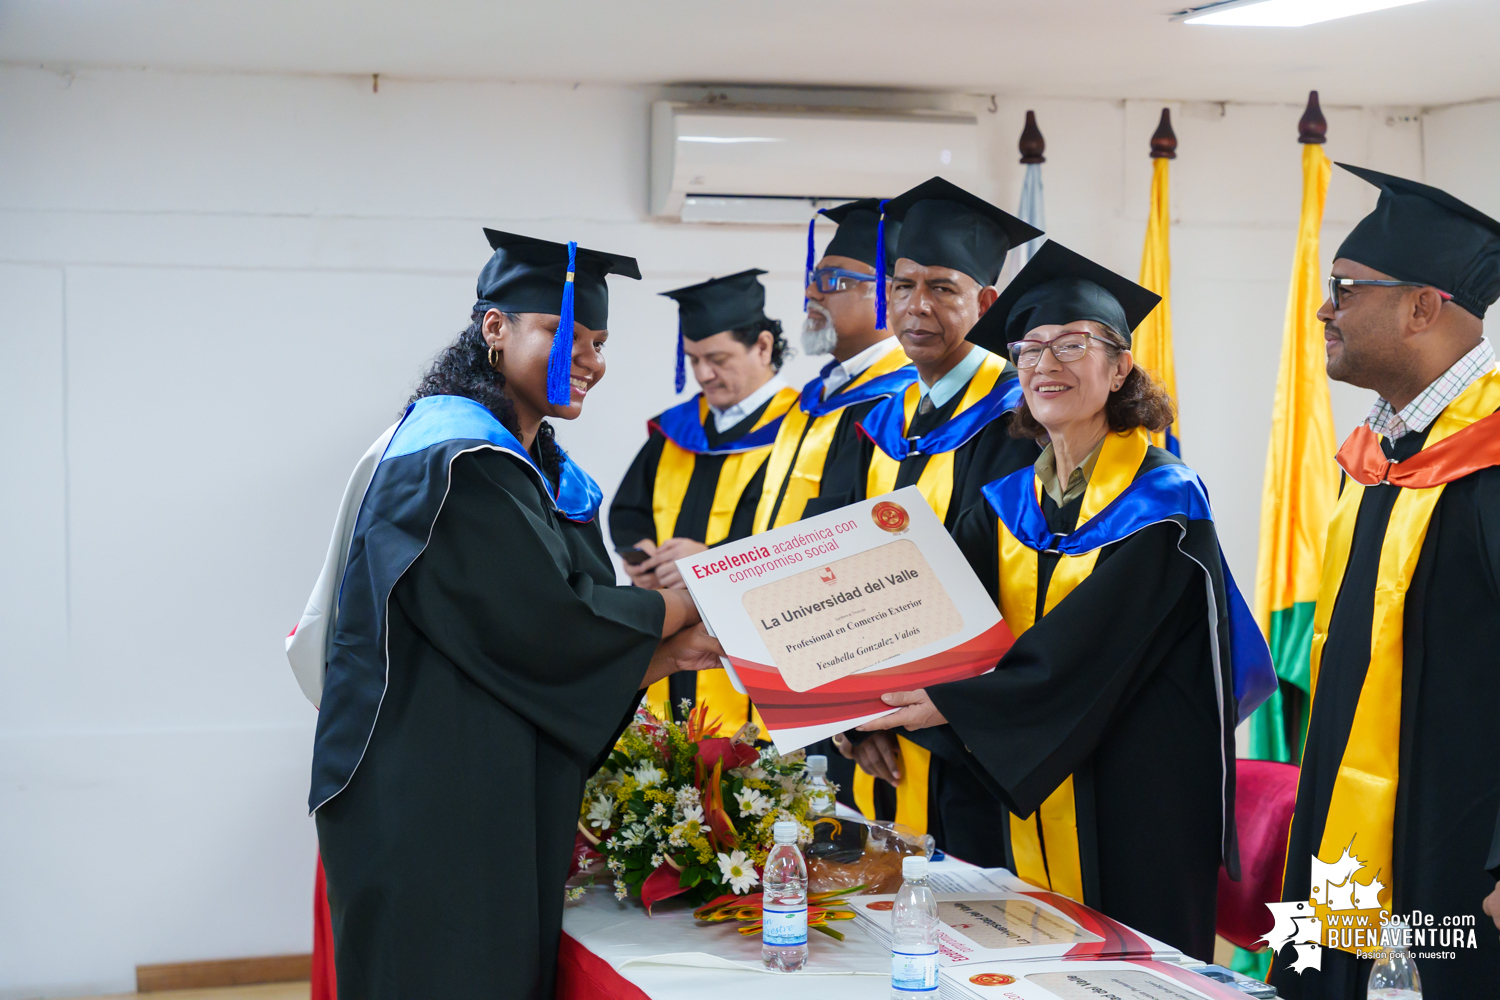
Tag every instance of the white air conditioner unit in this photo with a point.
(719, 164)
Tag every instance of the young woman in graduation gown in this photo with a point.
(1108, 728)
(480, 661)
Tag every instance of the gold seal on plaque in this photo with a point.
(890, 517)
(992, 979)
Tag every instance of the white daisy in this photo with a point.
(752, 802)
(687, 796)
(649, 775)
(692, 825)
(600, 811)
(659, 809)
(738, 871)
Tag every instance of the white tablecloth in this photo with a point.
(671, 957)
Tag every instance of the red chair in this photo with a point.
(1265, 793)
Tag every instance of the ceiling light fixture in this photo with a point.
(1280, 13)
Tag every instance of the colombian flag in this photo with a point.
(1152, 343)
(1301, 485)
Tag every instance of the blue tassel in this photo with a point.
(880, 271)
(807, 273)
(560, 361)
(681, 359)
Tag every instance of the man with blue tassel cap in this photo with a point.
(817, 452)
(947, 434)
(471, 657)
(696, 481)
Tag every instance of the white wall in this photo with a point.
(216, 290)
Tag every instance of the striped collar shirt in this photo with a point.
(837, 374)
(1419, 414)
(734, 413)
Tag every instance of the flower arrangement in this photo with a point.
(679, 810)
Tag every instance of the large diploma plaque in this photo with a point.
(820, 618)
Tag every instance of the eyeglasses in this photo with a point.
(836, 279)
(1334, 284)
(1066, 348)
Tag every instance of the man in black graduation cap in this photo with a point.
(1401, 765)
(697, 480)
(472, 659)
(947, 434)
(817, 457)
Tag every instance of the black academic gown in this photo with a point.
(1446, 847)
(843, 464)
(1115, 687)
(843, 471)
(962, 814)
(630, 513)
(514, 664)
(631, 518)
(989, 455)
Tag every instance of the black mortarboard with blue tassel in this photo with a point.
(526, 274)
(716, 306)
(942, 225)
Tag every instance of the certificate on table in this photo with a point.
(1075, 980)
(820, 618)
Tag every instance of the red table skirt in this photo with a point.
(582, 975)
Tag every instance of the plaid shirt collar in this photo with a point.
(1422, 411)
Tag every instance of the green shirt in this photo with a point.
(1046, 474)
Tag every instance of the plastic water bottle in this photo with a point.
(914, 934)
(820, 793)
(1394, 976)
(783, 936)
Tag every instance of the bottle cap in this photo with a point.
(785, 831)
(914, 866)
(817, 763)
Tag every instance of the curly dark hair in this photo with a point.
(1141, 400)
(463, 369)
(750, 333)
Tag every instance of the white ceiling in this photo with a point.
(1435, 52)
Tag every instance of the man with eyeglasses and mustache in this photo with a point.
(1401, 765)
(817, 452)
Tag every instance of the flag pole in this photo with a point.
(1153, 338)
(1032, 147)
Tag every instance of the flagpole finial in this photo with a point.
(1164, 140)
(1032, 145)
(1313, 128)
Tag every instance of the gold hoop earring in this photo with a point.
(494, 357)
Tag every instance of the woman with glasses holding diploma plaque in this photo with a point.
(1108, 728)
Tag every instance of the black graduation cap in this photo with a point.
(942, 225)
(526, 274)
(858, 234)
(1058, 286)
(1420, 233)
(714, 306)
